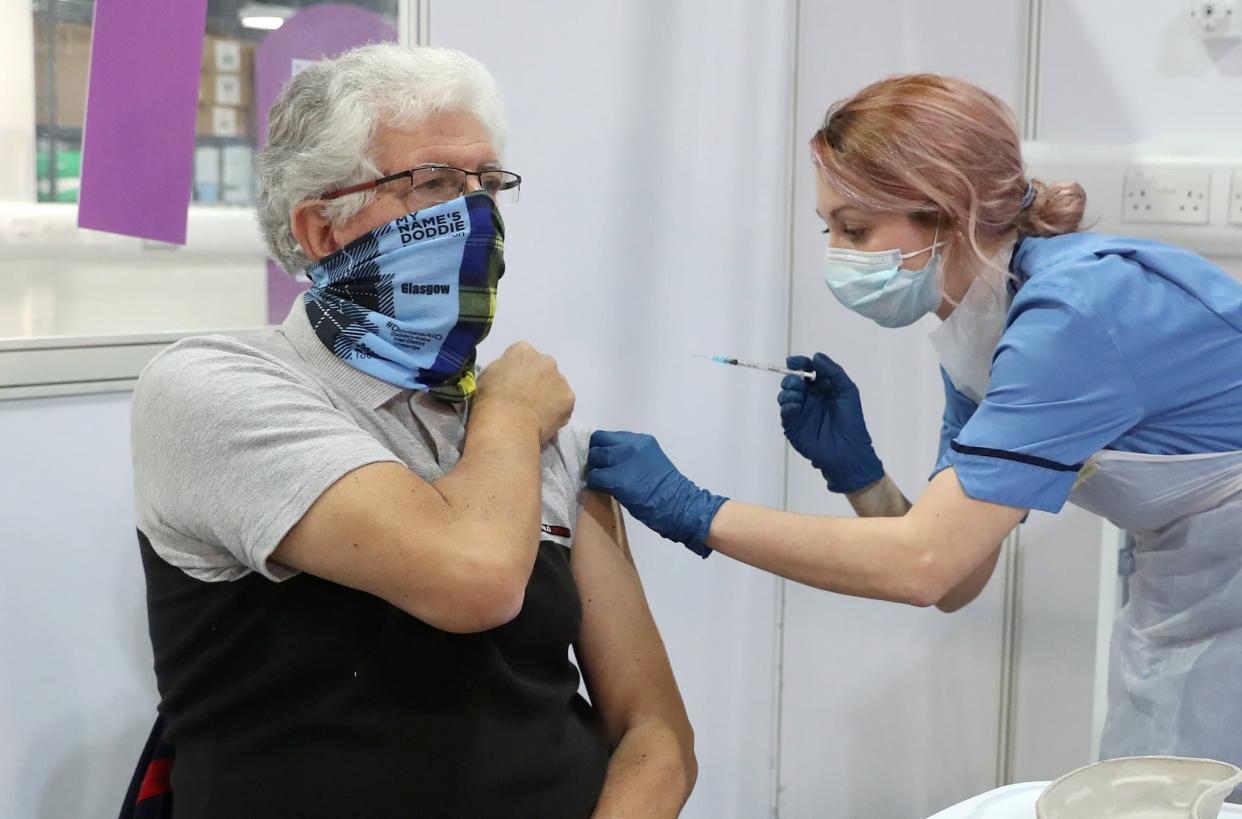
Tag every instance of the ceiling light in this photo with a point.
(266, 16)
(263, 22)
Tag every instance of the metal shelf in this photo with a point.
(223, 141)
(67, 11)
(58, 133)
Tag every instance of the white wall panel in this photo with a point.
(1118, 71)
(652, 138)
(1057, 644)
(77, 695)
(888, 710)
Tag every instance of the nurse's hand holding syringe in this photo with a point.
(822, 417)
(821, 414)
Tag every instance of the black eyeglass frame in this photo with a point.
(515, 181)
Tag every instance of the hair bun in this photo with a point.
(1057, 208)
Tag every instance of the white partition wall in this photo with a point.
(77, 696)
(887, 710)
(652, 139)
(1127, 71)
(1056, 708)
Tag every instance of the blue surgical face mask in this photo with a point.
(875, 285)
(410, 301)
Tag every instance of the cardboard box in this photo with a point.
(70, 64)
(223, 121)
(234, 90)
(228, 78)
(224, 55)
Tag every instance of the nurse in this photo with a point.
(1101, 370)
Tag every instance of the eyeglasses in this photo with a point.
(433, 184)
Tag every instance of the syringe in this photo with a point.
(755, 365)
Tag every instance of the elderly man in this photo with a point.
(365, 569)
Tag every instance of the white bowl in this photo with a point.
(1141, 787)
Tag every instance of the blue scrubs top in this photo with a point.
(1110, 343)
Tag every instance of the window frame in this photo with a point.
(86, 364)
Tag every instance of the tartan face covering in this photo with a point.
(410, 301)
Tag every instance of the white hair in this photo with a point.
(322, 124)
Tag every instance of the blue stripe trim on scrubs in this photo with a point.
(1011, 482)
(1020, 457)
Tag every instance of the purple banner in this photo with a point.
(138, 142)
(313, 33)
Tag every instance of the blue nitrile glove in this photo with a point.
(823, 419)
(633, 469)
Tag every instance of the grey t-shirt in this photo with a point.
(234, 440)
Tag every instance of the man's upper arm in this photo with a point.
(623, 658)
(384, 530)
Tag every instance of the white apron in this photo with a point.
(1175, 671)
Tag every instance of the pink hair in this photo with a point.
(940, 150)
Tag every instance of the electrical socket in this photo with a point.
(1166, 195)
(1235, 198)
